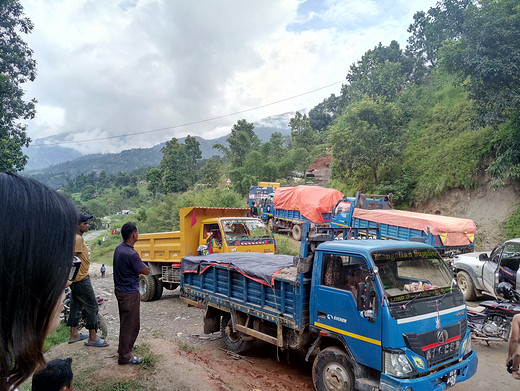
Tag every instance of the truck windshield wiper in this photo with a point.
(405, 305)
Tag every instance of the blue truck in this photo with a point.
(370, 314)
(288, 209)
(373, 216)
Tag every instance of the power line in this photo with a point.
(191, 123)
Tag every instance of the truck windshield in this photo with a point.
(244, 229)
(409, 272)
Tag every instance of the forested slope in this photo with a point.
(440, 116)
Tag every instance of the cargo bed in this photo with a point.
(266, 286)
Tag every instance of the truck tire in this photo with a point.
(332, 371)
(147, 287)
(297, 232)
(272, 226)
(233, 340)
(466, 285)
(158, 288)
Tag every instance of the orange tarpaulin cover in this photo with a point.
(310, 201)
(453, 231)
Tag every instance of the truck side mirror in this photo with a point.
(483, 257)
(363, 296)
(364, 301)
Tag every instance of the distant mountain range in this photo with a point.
(53, 164)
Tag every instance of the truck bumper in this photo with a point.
(436, 381)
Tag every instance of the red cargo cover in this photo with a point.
(453, 231)
(310, 201)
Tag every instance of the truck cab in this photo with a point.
(392, 308)
(235, 234)
(342, 212)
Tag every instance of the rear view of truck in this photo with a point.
(292, 207)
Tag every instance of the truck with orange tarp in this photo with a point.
(289, 208)
(202, 230)
(373, 216)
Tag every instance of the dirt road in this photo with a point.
(189, 360)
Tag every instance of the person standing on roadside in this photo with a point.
(82, 294)
(253, 210)
(513, 356)
(127, 267)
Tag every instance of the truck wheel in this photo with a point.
(272, 226)
(466, 285)
(147, 287)
(332, 371)
(158, 288)
(232, 340)
(297, 232)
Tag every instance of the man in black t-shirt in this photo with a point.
(127, 268)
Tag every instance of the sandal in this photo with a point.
(100, 343)
(81, 338)
(133, 361)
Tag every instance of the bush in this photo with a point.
(513, 225)
(286, 246)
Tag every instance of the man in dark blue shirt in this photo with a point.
(127, 268)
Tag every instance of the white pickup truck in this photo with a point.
(480, 272)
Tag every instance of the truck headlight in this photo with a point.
(466, 347)
(397, 364)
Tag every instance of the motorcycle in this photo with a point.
(493, 323)
(101, 320)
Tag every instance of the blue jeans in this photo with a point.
(82, 297)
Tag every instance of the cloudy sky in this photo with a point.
(134, 73)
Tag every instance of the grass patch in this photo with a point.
(187, 347)
(104, 252)
(150, 359)
(286, 246)
(62, 334)
(513, 225)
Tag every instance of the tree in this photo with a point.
(431, 30)
(193, 156)
(382, 71)
(174, 170)
(488, 54)
(153, 177)
(16, 67)
(241, 141)
(365, 135)
(88, 193)
(211, 172)
(321, 116)
(302, 134)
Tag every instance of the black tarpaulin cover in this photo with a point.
(256, 266)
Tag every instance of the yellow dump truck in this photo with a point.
(202, 230)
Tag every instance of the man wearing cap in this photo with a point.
(82, 294)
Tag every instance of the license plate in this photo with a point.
(451, 379)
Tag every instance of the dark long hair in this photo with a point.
(37, 228)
